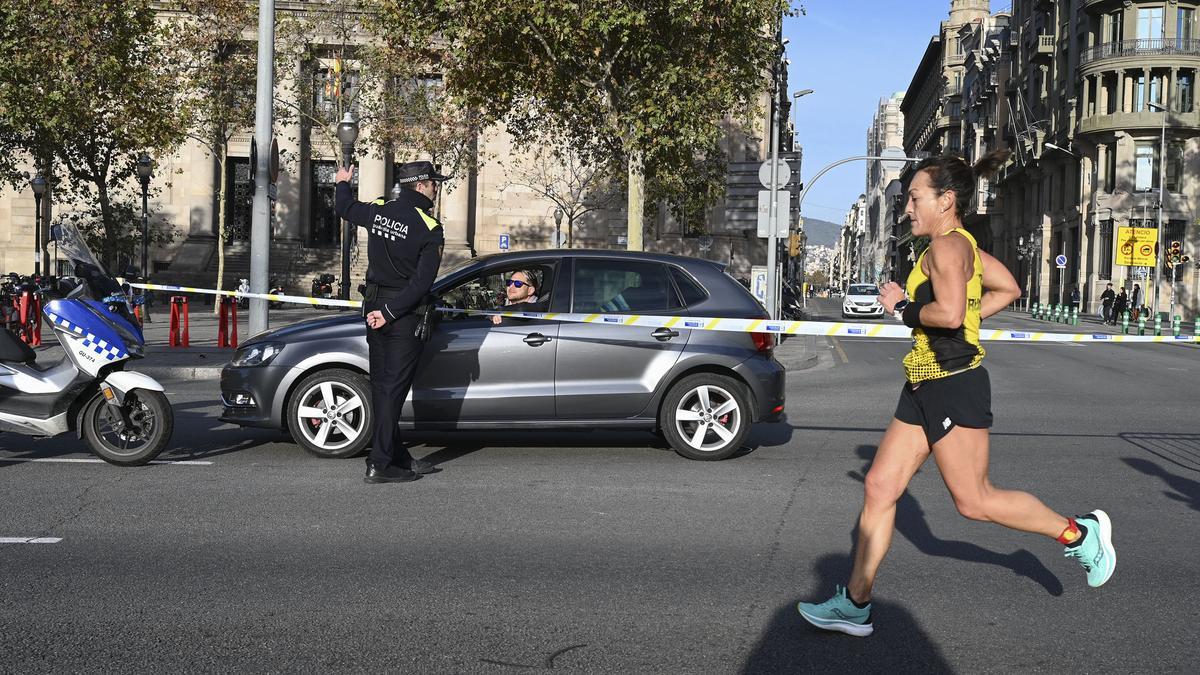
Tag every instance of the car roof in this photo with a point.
(518, 256)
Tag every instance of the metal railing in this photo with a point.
(1142, 47)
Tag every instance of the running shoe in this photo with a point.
(839, 614)
(1095, 550)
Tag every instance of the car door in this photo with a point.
(611, 371)
(473, 370)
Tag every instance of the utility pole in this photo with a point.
(260, 228)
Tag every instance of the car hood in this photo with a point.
(330, 326)
(861, 298)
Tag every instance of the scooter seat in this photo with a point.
(12, 350)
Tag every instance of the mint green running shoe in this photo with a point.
(1095, 551)
(839, 614)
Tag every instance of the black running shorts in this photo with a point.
(963, 399)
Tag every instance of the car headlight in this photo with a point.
(257, 354)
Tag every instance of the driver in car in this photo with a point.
(521, 287)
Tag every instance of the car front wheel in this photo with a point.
(705, 416)
(330, 413)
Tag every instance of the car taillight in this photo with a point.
(763, 342)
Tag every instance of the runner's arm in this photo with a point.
(949, 262)
(1000, 289)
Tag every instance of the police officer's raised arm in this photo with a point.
(345, 204)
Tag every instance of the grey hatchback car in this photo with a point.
(700, 390)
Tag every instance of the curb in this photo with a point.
(182, 372)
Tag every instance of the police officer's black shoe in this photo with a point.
(389, 474)
(423, 467)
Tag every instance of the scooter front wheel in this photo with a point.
(131, 434)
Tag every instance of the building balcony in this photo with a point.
(1148, 120)
(1044, 49)
(955, 59)
(1139, 49)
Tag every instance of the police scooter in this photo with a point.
(123, 416)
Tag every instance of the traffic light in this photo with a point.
(793, 244)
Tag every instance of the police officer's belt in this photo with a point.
(372, 291)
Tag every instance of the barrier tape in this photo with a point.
(826, 328)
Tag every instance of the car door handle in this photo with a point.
(664, 334)
(535, 339)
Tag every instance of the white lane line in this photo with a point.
(92, 460)
(30, 540)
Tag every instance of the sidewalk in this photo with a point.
(1087, 324)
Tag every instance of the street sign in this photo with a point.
(783, 173)
(1060, 261)
(1135, 246)
(782, 209)
(504, 242)
(758, 283)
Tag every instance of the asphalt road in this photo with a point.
(599, 552)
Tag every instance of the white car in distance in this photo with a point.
(861, 300)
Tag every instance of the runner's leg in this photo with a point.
(901, 452)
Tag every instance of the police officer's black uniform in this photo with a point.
(404, 252)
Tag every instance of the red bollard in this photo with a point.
(227, 327)
(29, 313)
(179, 312)
(37, 321)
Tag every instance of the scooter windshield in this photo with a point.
(99, 284)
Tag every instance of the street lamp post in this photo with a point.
(796, 117)
(39, 188)
(144, 169)
(347, 133)
(558, 216)
(1162, 182)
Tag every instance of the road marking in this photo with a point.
(30, 540)
(92, 460)
(840, 352)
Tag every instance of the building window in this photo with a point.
(1116, 21)
(1150, 24)
(1185, 88)
(1139, 93)
(1174, 165)
(1106, 250)
(1110, 168)
(239, 199)
(1146, 166)
(1183, 27)
(325, 228)
(335, 91)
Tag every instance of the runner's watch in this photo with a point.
(899, 308)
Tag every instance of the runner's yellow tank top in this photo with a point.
(941, 352)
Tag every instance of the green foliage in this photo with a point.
(126, 212)
(616, 78)
(84, 86)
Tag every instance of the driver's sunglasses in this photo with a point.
(516, 282)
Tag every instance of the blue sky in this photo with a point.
(851, 53)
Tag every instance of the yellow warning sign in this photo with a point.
(1134, 246)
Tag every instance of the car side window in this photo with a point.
(486, 291)
(692, 292)
(621, 286)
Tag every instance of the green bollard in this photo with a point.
(1033, 310)
(1074, 316)
(1141, 324)
(1125, 322)
(1157, 324)
(1176, 325)
(1053, 314)
(1058, 313)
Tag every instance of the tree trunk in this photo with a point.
(222, 161)
(111, 231)
(636, 201)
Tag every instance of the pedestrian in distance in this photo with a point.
(1120, 305)
(404, 251)
(1106, 304)
(1135, 301)
(945, 403)
(1075, 300)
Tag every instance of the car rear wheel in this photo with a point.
(705, 416)
(330, 413)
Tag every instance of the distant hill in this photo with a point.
(821, 232)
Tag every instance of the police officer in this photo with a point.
(404, 251)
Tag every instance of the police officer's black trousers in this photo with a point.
(394, 353)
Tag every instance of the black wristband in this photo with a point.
(912, 314)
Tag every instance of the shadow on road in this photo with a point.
(790, 645)
(1186, 490)
(1180, 449)
(911, 523)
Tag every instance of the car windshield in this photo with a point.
(863, 290)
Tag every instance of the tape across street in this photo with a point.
(828, 328)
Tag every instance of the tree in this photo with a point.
(86, 88)
(217, 71)
(560, 175)
(647, 82)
